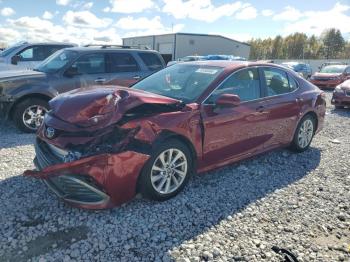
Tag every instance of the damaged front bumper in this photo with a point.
(94, 182)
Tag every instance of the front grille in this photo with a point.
(74, 188)
(77, 189)
(44, 156)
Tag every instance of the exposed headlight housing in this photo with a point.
(338, 89)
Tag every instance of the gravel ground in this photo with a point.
(295, 201)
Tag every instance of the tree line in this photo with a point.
(329, 45)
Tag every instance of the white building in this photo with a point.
(177, 45)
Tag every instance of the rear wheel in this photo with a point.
(167, 171)
(29, 114)
(304, 134)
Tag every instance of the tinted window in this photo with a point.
(33, 53)
(276, 81)
(52, 49)
(152, 61)
(91, 64)
(244, 83)
(347, 70)
(122, 62)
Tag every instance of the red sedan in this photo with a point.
(341, 95)
(98, 147)
(331, 76)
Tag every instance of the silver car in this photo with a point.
(26, 55)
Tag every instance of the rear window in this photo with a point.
(152, 61)
(122, 62)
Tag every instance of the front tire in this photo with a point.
(29, 114)
(167, 171)
(304, 134)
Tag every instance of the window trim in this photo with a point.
(288, 76)
(226, 79)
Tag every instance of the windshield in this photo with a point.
(184, 82)
(338, 69)
(56, 61)
(10, 49)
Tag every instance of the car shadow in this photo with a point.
(12, 137)
(144, 228)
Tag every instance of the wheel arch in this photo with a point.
(163, 136)
(25, 97)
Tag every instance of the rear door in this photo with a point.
(282, 103)
(123, 69)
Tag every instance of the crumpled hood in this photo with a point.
(326, 75)
(96, 105)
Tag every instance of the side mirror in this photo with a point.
(72, 71)
(228, 100)
(15, 59)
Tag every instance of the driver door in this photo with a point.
(234, 131)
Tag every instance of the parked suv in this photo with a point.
(24, 94)
(28, 55)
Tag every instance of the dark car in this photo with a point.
(24, 94)
(98, 147)
(331, 76)
(341, 95)
(302, 68)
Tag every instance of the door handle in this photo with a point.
(137, 77)
(299, 99)
(260, 109)
(100, 80)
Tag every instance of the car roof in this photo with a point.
(48, 43)
(101, 49)
(231, 64)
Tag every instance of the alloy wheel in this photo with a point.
(33, 116)
(169, 171)
(305, 133)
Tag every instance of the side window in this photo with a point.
(91, 64)
(244, 83)
(33, 53)
(152, 61)
(347, 71)
(52, 49)
(276, 81)
(292, 83)
(122, 62)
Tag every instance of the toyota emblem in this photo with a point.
(50, 132)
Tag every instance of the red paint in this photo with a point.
(218, 135)
(327, 80)
(342, 97)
